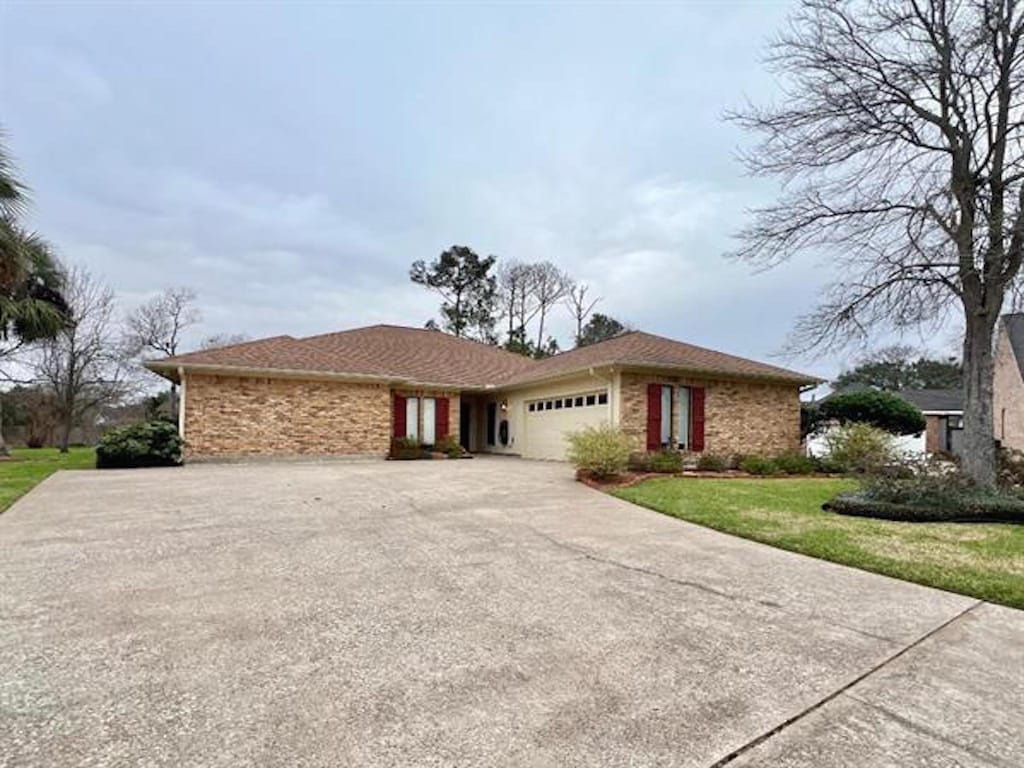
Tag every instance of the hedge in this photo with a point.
(968, 508)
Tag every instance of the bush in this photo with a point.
(860, 448)
(796, 464)
(147, 444)
(1010, 468)
(755, 464)
(407, 448)
(600, 452)
(883, 410)
(708, 462)
(935, 491)
(666, 461)
(449, 446)
(977, 508)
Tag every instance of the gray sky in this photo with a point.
(289, 162)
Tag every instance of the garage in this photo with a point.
(547, 420)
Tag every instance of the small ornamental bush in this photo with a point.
(668, 462)
(407, 448)
(755, 464)
(860, 448)
(796, 464)
(884, 410)
(148, 444)
(708, 462)
(449, 446)
(600, 452)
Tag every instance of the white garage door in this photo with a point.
(548, 420)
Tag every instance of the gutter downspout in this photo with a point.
(181, 403)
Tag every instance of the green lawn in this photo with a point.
(984, 561)
(28, 467)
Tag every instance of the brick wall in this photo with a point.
(740, 417)
(1007, 396)
(226, 415)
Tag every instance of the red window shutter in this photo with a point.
(697, 418)
(440, 418)
(399, 420)
(653, 417)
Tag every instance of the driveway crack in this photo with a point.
(587, 554)
(917, 728)
(841, 690)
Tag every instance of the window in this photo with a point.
(684, 418)
(666, 416)
(533, 407)
(558, 403)
(429, 421)
(591, 399)
(412, 418)
(579, 402)
(548, 405)
(602, 399)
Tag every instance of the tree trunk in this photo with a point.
(65, 433)
(979, 450)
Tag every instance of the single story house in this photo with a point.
(943, 411)
(943, 417)
(352, 392)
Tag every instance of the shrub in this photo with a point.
(640, 462)
(860, 448)
(972, 508)
(407, 448)
(449, 446)
(600, 452)
(147, 444)
(667, 462)
(884, 410)
(796, 464)
(755, 464)
(935, 491)
(1010, 468)
(708, 462)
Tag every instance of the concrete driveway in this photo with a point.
(476, 613)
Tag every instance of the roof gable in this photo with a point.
(1013, 326)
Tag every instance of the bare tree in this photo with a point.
(550, 285)
(219, 340)
(516, 301)
(580, 307)
(155, 328)
(83, 366)
(899, 139)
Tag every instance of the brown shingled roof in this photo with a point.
(417, 355)
(645, 350)
(414, 355)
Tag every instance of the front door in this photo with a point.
(492, 424)
(465, 423)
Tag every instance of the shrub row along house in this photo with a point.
(352, 392)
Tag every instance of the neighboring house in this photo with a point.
(943, 411)
(943, 415)
(1008, 383)
(352, 392)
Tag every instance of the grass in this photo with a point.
(28, 467)
(984, 560)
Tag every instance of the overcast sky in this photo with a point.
(289, 162)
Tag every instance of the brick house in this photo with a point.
(1008, 383)
(351, 392)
